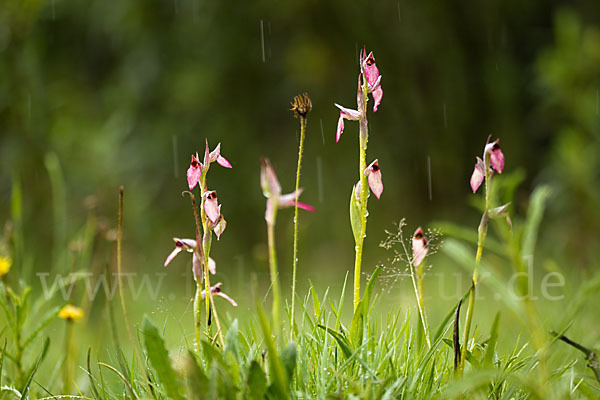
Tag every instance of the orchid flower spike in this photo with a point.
(216, 291)
(493, 159)
(370, 77)
(420, 246)
(272, 191)
(197, 168)
(190, 245)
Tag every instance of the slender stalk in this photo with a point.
(198, 314)
(67, 366)
(295, 254)
(274, 273)
(364, 192)
(206, 241)
(418, 286)
(217, 322)
(120, 273)
(482, 233)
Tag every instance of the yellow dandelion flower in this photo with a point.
(5, 264)
(70, 313)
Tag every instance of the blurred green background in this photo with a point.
(97, 94)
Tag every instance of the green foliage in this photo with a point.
(159, 359)
(355, 216)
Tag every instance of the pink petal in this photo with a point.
(268, 180)
(305, 206)
(196, 268)
(497, 158)
(289, 200)
(478, 175)
(211, 206)
(212, 266)
(206, 156)
(373, 173)
(222, 161)
(220, 227)
(187, 244)
(370, 70)
(229, 299)
(215, 153)
(340, 128)
(345, 113)
(377, 95)
(193, 173)
(348, 113)
(172, 255)
(419, 246)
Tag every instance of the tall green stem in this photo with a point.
(364, 192)
(206, 241)
(198, 313)
(481, 235)
(274, 273)
(295, 255)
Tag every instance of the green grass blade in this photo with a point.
(488, 358)
(27, 385)
(534, 217)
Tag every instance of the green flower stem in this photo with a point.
(481, 235)
(273, 271)
(295, 254)
(206, 241)
(198, 313)
(364, 195)
(200, 254)
(418, 286)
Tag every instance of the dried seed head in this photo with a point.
(301, 105)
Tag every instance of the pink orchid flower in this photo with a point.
(190, 245)
(216, 291)
(211, 206)
(420, 246)
(496, 162)
(371, 74)
(272, 191)
(194, 172)
(213, 211)
(372, 79)
(345, 113)
(196, 169)
(373, 173)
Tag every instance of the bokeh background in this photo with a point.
(97, 94)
